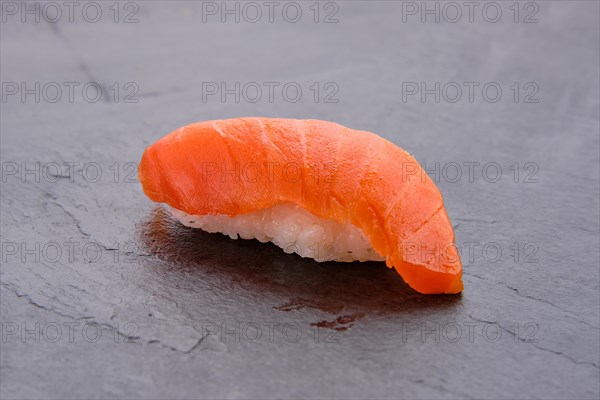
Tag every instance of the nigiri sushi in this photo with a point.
(311, 187)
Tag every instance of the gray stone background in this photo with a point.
(103, 295)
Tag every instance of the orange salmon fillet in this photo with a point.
(243, 165)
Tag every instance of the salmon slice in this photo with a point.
(244, 165)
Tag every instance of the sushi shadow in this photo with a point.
(358, 288)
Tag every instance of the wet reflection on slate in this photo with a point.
(351, 290)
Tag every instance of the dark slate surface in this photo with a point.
(529, 321)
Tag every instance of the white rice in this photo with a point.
(292, 228)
